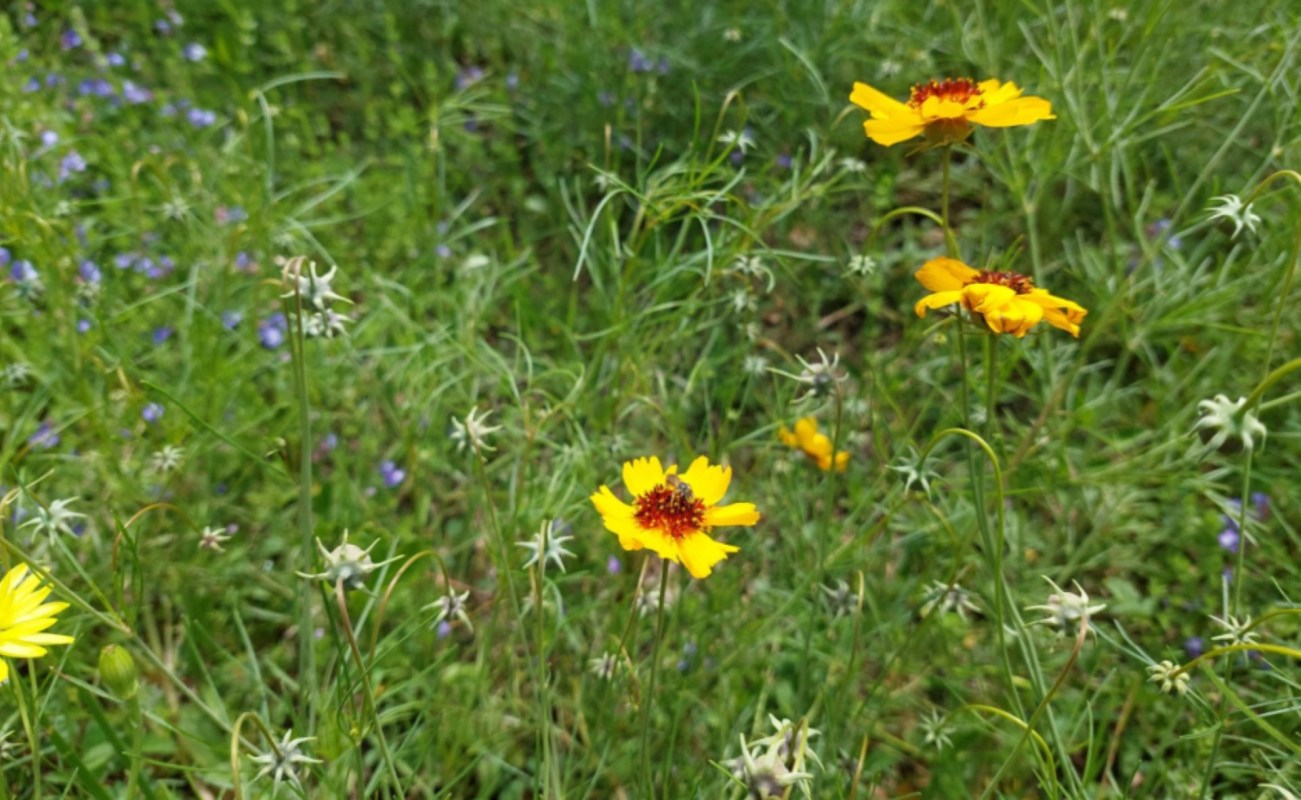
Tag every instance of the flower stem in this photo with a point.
(648, 789)
(306, 642)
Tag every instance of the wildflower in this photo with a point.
(1227, 426)
(70, 164)
(452, 605)
(935, 731)
(315, 290)
(639, 62)
(231, 319)
(24, 618)
(1234, 210)
(768, 774)
(821, 377)
(194, 52)
(1167, 676)
(70, 40)
(1194, 646)
(816, 446)
(15, 374)
(604, 666)
(1007, 301)
(943, 111)
(743, 300)
(283, 761)
(167, 459)
(468, 77)
(214, 538)
(742, 140)
(852, 165)
(272, 330)
(673, 515)
(732, 35)
(862, 266)
(134, 94)
(1235, 632)
(324, 325)
(473, 432)
(1229, 539)
(27, 278)
(843, 602)
(55, 518)
(391, 474)
(45, 437)
(1065, 607)
(347, 564)
(547, 545)
(175, 208)
(201, 118)
(161, 335)
(754, 365)
(913, 467)
(948, 598)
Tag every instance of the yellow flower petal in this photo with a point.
(882, 105)
(945, 274)
(1021, 111)
(788, 437)
(21, 650)
(731, 514)
(699, 554)
(4, 671)
(618, 518)
(981, 297)
(889, 132)
(642, 474)
(707, 483)
(937, 300)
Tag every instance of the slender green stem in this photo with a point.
(368, 691)
(541, 678)
(306, 642)
(648, 788)
(1244, 504)
(137, 744)
(946, 160)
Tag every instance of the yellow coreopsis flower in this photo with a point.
(672, 514)
(817, 446)
(1007, 301)
(944, 111)
(24, 616)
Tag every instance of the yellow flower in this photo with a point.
(23, 618)
(1007, 301)
(672, 514)
(817, 446)
(944, 110)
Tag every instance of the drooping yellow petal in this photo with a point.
(937, 300)
(731, 514)
(1061, 321)
(981, 297)
(699, 554)
(1016, 317)
(642, 474)
(880, 104)
(945, 274)
(889, 132)
(707, 483)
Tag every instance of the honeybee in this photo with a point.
(680, 486)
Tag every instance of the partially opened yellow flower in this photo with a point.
(944, 111)
(673, 514)
(23, 618)
(817, 446)
(1007, 301)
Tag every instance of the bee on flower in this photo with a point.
(944, 111)
(1008, 302)
(673, 514)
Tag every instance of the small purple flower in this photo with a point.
(161, 269)
(613, 565)
(115, 59)
(124, 260)
(1260, 501)
(71, 163)
(639, 63)
(391, 473)
(134, 94)
(23, 272)
(512, 81)
(32, 85)
(228, 216)
(244, 263)
(443, 251)
(784, 161)
(271, 331)
(1159, 228)
(45, 437)
(152, 412)
(1194, 646)
(468, 77)
(163, 26)
(70, 40)
(5, 256)
(444, 629)
(83, 325)
(201, 118)
(49, 139)
(736, 157)
(89, 271)
(95, 87)
(1229, 539)
(330, 441)
(194, 52)
(162, 334)
(230, 320)
(53, 79)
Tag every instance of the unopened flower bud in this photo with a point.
(117, 670)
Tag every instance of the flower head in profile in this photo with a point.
(1234, 210)
(285, 760)
(1008, 302)
(944, 111)
(817, 446)
(24, 618)
(673, 514)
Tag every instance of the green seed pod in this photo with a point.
(117, 670)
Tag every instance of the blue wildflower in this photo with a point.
(391, 474)
(45, 437)
(162, 334)
(89, 271)
(70, 40)
(194, 52)
(231, 319)
(70, 164)
(271, 331)
(152, 412)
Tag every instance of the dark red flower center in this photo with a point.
(959, 90)
(673, 511)
(1021, 284)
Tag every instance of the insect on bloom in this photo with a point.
(673, 514)
(1007, 301)
(944, 111)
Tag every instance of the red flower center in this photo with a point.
(1021, 284)
(959, 90)
(674, 511)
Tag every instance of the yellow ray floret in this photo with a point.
(24, 618)
(944, 111)
(1008, 302)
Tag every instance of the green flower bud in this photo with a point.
(117, 670)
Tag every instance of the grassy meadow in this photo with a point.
(324, 325)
